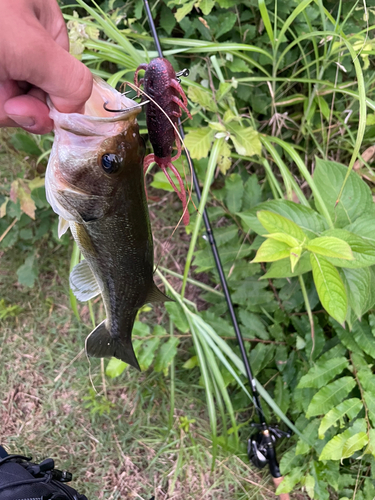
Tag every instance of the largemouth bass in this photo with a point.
(95, 182)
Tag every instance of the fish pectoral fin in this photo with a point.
(62, 227)
(100, 344)
(83, 282)
(156, 295)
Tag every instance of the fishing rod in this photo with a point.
(261, 446)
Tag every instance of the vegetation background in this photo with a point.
(282, 98)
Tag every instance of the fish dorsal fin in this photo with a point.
(62, 227)
(83, 282)
(156, 295)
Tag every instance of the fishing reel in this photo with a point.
(260, 447)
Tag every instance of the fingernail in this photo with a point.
(23, 121)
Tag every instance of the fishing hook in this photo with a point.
(123, 110)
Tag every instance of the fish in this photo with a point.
(95, 183)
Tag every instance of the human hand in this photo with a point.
(34, 62)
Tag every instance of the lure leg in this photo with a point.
(182, 105)
(181, 194)
(141, 66)
(178, 145)
(147, 162)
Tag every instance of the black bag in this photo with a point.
(20, 479)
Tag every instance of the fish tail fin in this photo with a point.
(100, 344)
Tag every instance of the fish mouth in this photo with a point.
(96, 120)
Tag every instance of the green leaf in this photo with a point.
(272, 250)
(350, 407)
(198, 142)
(363, 250)
(184, 11)
(275, 223)
(283, 238)
(322, 373)
(27, 273)
(356, 198)
(311, 223)
(115, 367)
(147, 352)
(203, 97)
(364, 226)
(224, 161)
(234, 192)
(206, 6)
(364, 338)
(330, 288)
(165, 355)
(310, 485)
(353, 444)
(371, 444)
(161, 182)
(226, 23)
(282, 268)
(329, 396)
(339, 446)
(290, 481)
(358, 287)
(25, 142)
(167, 20)
(295, 255)
(177, 316)
(245, 140)
(370, 402)
(329, 246)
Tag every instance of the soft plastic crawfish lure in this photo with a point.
(161, 84)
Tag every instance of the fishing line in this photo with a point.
(261, 449)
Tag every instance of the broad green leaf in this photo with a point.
(311, 223)
(329, 396)
(245, 139)
(234, 192)
(165, 355)
(330, 288)
(25, 142)
(21, 191)
(283, 238)
(364, 226)
(177, 315)
(295, 255)
(27, 273)
(206, 6)
(333, 450)
(353, 444)
(356, 198)
(252, 192)
(289, 461)
(275, 223)
(224, 161)
(346, 338)
(167, 20)
(290, 481)
(364, 338)
(363, 250)
(322, 373)
(310, 433)
(147, 353)
(115, 367)
(226, 23)
(272, 250)
(329, 246)
(203, 97)
(198, 142)
(184, 11)
(161, 182)
(310, 485)
(357, 284)
(350, 407)
(371, 444)
(370, 402)
(282, 268)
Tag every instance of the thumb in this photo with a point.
(52, 69)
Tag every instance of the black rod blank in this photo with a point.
(274, 468)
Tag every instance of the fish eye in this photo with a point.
(111, 163)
